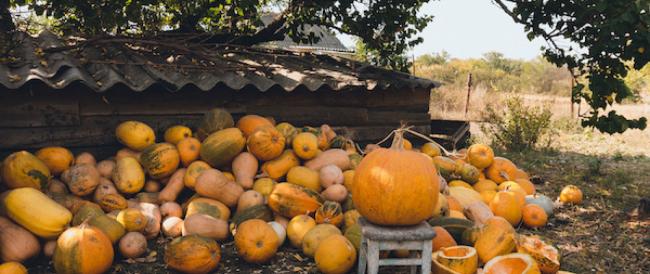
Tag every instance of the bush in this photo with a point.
(516, 126)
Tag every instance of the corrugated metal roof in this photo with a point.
(327, 40)
(101, 66)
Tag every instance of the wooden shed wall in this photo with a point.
(84, 120)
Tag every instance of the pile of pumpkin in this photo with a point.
(259, 183)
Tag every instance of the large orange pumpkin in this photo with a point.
(480, 155)
(160, 160)
(193, 254)
(83, 249)
(256, 241)
(266, 143)
(395, 186)
(501, 170)
(249, 123)
(57, 159)
(291, 200)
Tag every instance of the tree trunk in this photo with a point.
(6, 28)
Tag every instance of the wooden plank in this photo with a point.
(314, 115)
(390, 117)
(26, 111)
(371, 134)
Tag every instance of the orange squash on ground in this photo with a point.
(249, 123)
(406, 180)
(244, 167)
(23, 169)
(111, 227)
(209, 207)
(188, 150)
(256, 241)
(330, 213)
(461, 259)
(280, 166)
(485, 184)
(213, 184)
(315, 237)
(546, 255)
(266, 143)
(534, 216)
(288, 131)
(128, 175)
(501, 170)
(57, 159)
(516, 263)
(571, 195)
(193, 254)
(221, 147)
(12, 268)
(132, 220)
(160, 160)
(431, 149)
(526, 185)
(193, 171)
(83, 249)
(135, 135)
(291, 200)
(306, 177)
(335, 255)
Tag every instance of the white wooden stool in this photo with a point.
(375, 238)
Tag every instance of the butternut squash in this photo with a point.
(173, 187)
(334, 156)
(205, 226)
(244, 167)
(16, 243)
(213, 184)
(279, 167)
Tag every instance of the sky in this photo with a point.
(469, 28)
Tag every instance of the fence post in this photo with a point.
(469, 89)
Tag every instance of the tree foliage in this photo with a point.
(608, 38)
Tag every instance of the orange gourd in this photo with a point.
(571, 195)
(193, 254)
(335, 255)
(278, 167)
(160, 160)
(298, 227)
(83, 249)
(501, 170)
(534, 216)
(193, 171)
(330, 213)
(496, 238)
(406, 181)
(266, 143)
(505, 204)
(256, 241)
(249, 123)
(23, 169)
(480, 155)
(57, 159)
(526, 185)
(175, 134)
(188, 150)
(291, 200)
(305, 145)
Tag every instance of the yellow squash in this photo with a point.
(36, 212)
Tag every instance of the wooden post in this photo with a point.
(469, 89)
(573, 84)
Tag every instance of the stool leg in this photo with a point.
(373, 257)
(413, 254)
(361, 267)
(426, 257)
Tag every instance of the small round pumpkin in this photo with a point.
(501, 170)
(527, 185)
(571, 195)
(541, 200)
(266, 143)
(305, 145)
(193, 254)
(256, 241)
(534, 216)
(330, 213)
(12, 268)
(249, 123)
(480, 155)
(487, 196)
(298, 227)
(135, 135)
(132, 219)
(485, 184)
(461, 259)
(175, 134)
(335, 255)
(306, 177)
(83, 249)
(505, 204)
(188, 150)
(315, 236)
(133, 245)
(264, 186)
(57, 159)
(516, 263)
(408, 182)
(23, 169)
(160, 160)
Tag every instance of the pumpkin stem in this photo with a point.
(398, 139)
